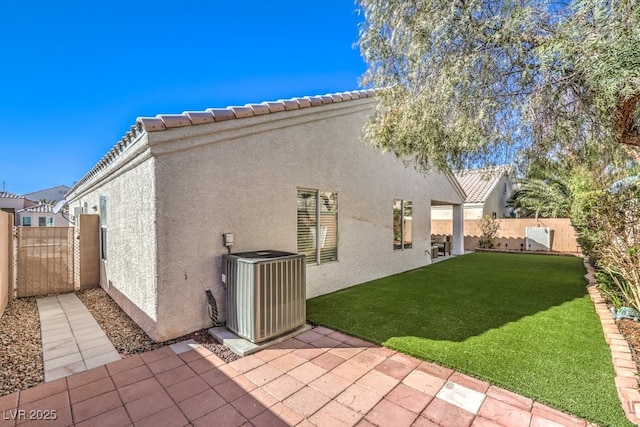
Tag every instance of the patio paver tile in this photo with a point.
(234, 388)
(350, 370)
(409, 361)
(287, 362)
(201, 404)
(92, 389)
(346, 352)
(270, 353)
(330, 384)
(165, 364)
(263, 374)
(87, 377)
(409, 398)
(307, 372)
(387, 413)
(42, 391)
(157, 354)
(248, 406)
(278, 415)
(435, 370)
(124, 364)
(504, 414)
(219, 375)
(9, 402)
(323, 330)
(131, 376)
(480, 421)
(62, 419)
(326, 342)
(369, 359)
(171, 416)
(186, 389)
(138, 390)
(359, 398)
(175, 375)
(246, 364)
(510, 398)
(378, 382)
(148, 405)
(202, 364)
(555, 415)
(424, 382)
(447, 415)
(283, 387)
(335, 414)
(461, 396)
(393, 368)
(309, 353)
(306, 401)
(226, 415)
(309, 336)
(470, 382)
(115, 417)
(95, 406)
(327, 361)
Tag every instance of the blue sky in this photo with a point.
(76, 75)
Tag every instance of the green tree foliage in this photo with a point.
(471, 81)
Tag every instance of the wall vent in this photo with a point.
(266, 293)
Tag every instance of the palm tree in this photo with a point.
(548, 194)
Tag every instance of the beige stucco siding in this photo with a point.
(242, 176)
(129, 272)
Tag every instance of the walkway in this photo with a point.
(72, 340)
(321, 377)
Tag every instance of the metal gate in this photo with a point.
(45, 260)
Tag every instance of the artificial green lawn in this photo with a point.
(522, 322)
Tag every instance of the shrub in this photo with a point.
(489, 227)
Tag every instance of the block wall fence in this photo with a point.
(511, 233)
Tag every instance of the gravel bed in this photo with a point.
(128, 338)
(21, 345)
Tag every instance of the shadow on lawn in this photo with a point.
(453, 300)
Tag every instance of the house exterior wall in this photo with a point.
(58, 219)
(242, 176)
(129, 272)
(497, 200)
(55, 193)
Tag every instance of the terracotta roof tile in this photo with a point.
(8, 195)
(188, 118)
(41, 208)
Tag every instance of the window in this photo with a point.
(318, 225)
(103, 227)
(402, 221)
(45, 221)
(26, 221)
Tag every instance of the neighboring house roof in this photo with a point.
(41, 208)
(478, 184)
(7, 195)
(61, 187)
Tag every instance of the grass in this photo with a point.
(525, 323)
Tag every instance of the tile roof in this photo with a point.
(41, 208)
(7, 195)
(479, 183)
(191, 118)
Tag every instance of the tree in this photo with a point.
(471, 81)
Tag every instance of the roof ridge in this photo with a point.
(188, 118)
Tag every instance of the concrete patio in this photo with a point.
(321, 377)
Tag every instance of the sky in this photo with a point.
(75, 75)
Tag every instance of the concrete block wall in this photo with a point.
(511, 233)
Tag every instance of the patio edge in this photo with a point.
(623, 364)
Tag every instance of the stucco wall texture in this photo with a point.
(6, 259)
(241, 176)
(512, 231)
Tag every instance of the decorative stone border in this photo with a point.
(626, 369)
